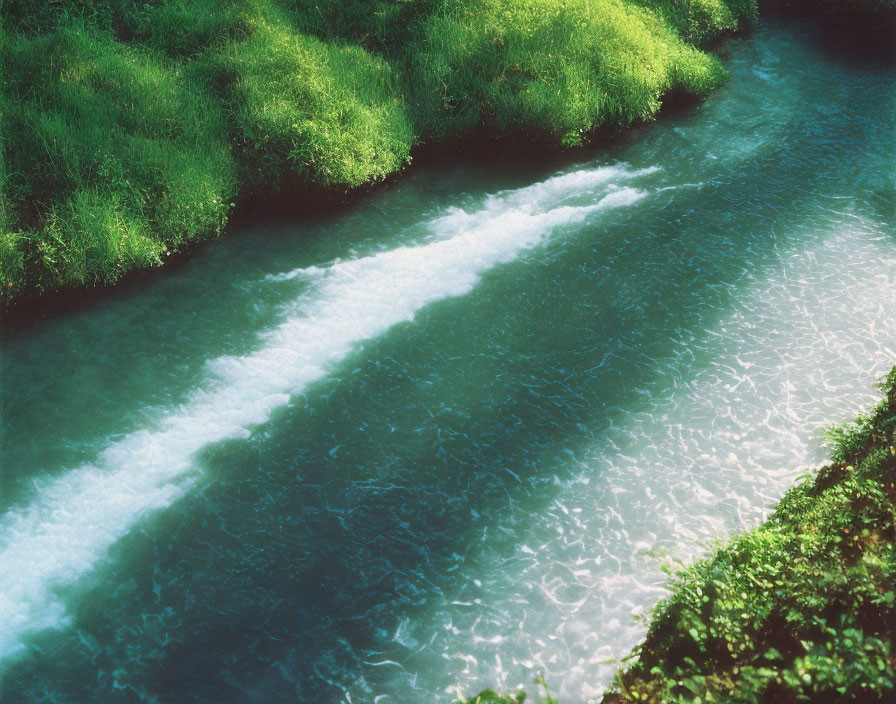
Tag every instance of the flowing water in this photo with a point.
(447, 439)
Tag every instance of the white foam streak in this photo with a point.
(75, 518)
(309, 272)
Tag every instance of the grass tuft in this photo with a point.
(325, 111)
(565, 67)
(112, 158)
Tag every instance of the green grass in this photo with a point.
(325, 111)
(129, 127)
(699, 20)
(112, 158)
(12, 274)
(802, 609)
(563, 67)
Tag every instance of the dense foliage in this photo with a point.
(802, 609)
(563, 66)
(129, 127)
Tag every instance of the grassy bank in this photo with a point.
(131, 128)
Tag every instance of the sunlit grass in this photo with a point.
(326, 111)
(129, 127)
(562, 66)
(112, 158)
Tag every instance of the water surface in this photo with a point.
(447, 439)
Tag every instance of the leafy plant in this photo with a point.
(802, 608)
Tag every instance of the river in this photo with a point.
(448, 438)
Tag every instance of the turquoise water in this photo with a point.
(447, 439)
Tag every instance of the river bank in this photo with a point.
(802, 608)
(130, 130)
(312, 203)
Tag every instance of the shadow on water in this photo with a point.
(288, 573)
(862, 42)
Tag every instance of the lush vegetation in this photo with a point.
(130, 127)
(562, 66)
(802, 609)
(111, 161)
